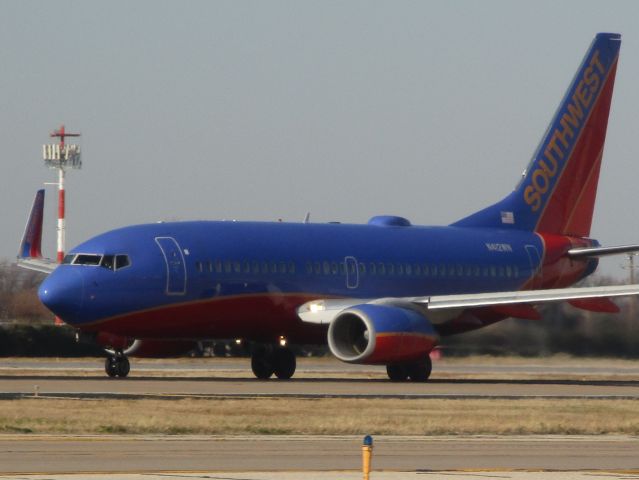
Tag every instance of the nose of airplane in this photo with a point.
(62, 292)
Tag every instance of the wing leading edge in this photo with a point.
(323, 311)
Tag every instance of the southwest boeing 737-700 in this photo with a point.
(379, 293)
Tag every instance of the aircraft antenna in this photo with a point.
(61, 157)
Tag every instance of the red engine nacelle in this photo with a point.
(381, 334)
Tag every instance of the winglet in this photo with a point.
(31, 246)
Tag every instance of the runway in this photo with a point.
(322, 378)
(121, 454)
(94, 387)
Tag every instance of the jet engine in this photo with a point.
(381, 334)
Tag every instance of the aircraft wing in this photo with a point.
(43, 265)
(323, 311)
(30, 254)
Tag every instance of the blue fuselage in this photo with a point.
(243, 279)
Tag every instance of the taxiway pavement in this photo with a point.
(132, 454)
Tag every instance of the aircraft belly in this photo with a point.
(253, 317)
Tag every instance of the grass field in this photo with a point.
(319, 416)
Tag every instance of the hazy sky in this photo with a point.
(266, 110)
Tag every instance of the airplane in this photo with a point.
(383, 292)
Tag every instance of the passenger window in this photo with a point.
(334, 268)
(390, 268)
(227, 266)
(218, 266)
(317, 267)
(381, 269)
(209, 266)
(247, 266)
(309, 268)
(417, 269)
(326, 267)
(273, 267)
(107, 262)
(199, 267)
(400, 269)
(264, 268)
(256, 267)
(362, 268)
(372, 269)
(237, 267)
(291, 268)
(409, 269)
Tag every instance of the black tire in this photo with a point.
(284, 363)
(397, 372)
(262, 365)
(111, 366)
(420, 371)
(124, 367)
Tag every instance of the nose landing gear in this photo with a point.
(117, 365)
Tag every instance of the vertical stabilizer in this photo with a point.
(31, 245)
(557, 192)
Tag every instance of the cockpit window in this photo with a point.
(121, 261)
(115, 262)
(68, 258)
(87, 259)
(107, 262)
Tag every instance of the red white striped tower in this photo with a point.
(61, 157)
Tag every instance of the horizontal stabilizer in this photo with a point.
(602, 251)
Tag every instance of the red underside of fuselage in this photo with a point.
(253, 317)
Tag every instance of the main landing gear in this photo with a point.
(269, 360)
(417, 371)
(117, 365)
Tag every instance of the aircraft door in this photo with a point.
(175, 265)
(535, 264)
(352, 272)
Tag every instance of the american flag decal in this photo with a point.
(508, 217)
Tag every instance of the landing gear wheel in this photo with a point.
(117, 366)
(111, 366)
(284, 363)
(262, 364)
(397, 372)
(125, 367)
(420, 371)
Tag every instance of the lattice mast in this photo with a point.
(61, 157)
